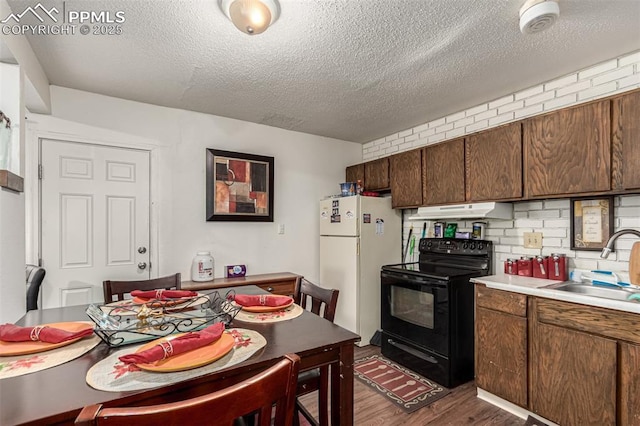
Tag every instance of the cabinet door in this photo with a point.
(355, 173)
(443, 173)
(573, 376)
(493, 164)
(501, 355)
(406, 179)
(629, 384)
(376, 174)
(568, 151)
(626, 141)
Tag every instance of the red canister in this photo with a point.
(541, 267)
(558, 267)
(511, 266)
(525, 266)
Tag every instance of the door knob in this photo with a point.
(142, 265)
(142, 250)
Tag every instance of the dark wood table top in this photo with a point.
(58, 394)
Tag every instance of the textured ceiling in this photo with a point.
(349, 69)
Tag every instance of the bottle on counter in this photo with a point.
(202, 267)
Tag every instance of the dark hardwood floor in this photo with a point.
(460, 407)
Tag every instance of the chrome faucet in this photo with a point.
(609, 247)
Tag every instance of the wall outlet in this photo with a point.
(281, 228)
(533, 240)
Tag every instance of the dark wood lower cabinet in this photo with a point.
(501, 357)
(629, 386)
(573, 376)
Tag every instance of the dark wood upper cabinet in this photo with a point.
(493, 169)
(406, 179)
(443, 173)
(355, 173)
(376, 174)
(568, 151)
(625, 141)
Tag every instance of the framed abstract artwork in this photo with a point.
(239, 186)
(591, 222)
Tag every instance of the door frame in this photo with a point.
(32, 190)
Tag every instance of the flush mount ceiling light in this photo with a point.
(251, 16)
(538, 15)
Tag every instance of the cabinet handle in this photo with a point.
(270, 289)
(412, 351)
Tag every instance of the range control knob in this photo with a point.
(480, 246)
(429, 244)
(465, 246)
(473, 246)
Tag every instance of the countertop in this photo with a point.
(536, 287)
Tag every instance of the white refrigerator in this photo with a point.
(357, 236)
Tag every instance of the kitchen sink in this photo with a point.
(592, 290)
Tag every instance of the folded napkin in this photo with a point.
(14, 333)
(273, 300)
(163, 294)
(179, 345)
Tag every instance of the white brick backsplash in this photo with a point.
(372, 149)
(391, 137)
(633, 200)
(411, 138)
(552, 232)
(534, 100)
(520, 215)
(551, 242)
(601, 90)
(556, 223)
(630, 211)
(444, 128)
(527, 205)
(385, 145)
(436, 123)
(436, 138)
(582, 85)
(380, 141)
(598, 69)
(512, 241)
(405, 146)
(560, 102)
(501, 119)
(528, 223)
(477, 110)
(614, 75)
(629, 222)
(561, 82)
(629, 59)
(498, 248)
(510, 107)
(427, 133)
(478, 125)
(525, 112)
(421, 128)
(633, 80)
(505, 224)
(502, 101)
(455, 117)
(529, 92)
(397, 142)
(539, 214)
(455, 133)
(514, 232)
(556, 204)
(487, 114)
(494, 233)
(391, 150)
(464, 122)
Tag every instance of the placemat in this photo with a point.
(291, 312)
(111, 375)
(12, 366)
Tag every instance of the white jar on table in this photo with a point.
(202, 267)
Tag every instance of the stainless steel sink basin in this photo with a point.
(591, 290)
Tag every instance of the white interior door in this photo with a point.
(94, 203)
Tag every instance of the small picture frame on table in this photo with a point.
(591, 222)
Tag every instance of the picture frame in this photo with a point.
(591, 222)
(239, 186)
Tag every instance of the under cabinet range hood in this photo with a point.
(465, 211)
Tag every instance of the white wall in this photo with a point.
(551, 217)
(307, 168)
(12, 258)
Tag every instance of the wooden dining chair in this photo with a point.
(322, 302)
(120, 288)
(276, 385)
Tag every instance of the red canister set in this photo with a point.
(553, 267)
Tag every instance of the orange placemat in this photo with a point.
(12, 366)
(111, 375)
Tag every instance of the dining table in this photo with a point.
(56, 395)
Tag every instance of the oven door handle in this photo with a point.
(412, 351)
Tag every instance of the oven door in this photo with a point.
(416, 308)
